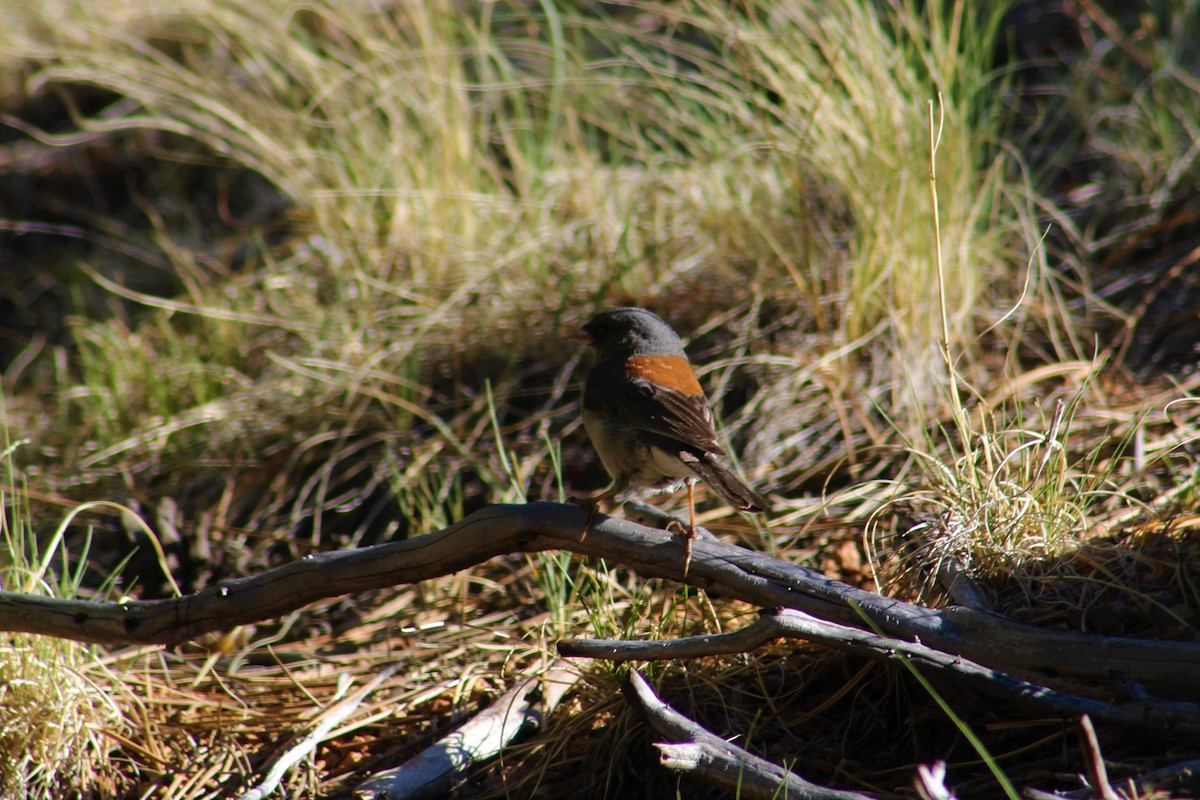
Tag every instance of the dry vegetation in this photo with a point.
(281, 278)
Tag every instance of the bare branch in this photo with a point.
(1177, 780)
(436, 770)
(709, 757)
(1170, 669)
(1159, 715)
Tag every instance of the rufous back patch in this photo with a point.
(670, 371)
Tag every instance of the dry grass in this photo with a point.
(326, 255)
(59, 712)
(60, 704)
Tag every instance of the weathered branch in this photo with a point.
(1095, 760)
(693, 749)
(436, 770)
(1160, 715)
(1170, 669)
(1177, 780)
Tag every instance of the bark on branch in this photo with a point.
(1061, 659)
(1159, 715)
(437, 769)
(696, 750)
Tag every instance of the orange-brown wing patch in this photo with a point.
(673, 372)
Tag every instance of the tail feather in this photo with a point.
(727, 485)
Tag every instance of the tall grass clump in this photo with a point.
(1001, 493)
(58, 702)
(1011, 498)
(364, 119)
(834, 99)
(517, 160)
(843, 89)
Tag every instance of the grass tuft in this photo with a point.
(59, 703)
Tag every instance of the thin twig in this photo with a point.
(435, 771)
(1157, 715)
(1095, 759)
(329, 719)
(695, 750)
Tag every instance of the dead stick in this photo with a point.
(695, 750)
(329, 719)
(1095, 760)
(1168, 667)
(436, 770)
(1157, 715)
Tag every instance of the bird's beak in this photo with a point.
(576, 335)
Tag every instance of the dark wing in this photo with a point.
(680, 417)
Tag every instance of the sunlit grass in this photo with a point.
(58, 702)
(463, 181)
(442, 160)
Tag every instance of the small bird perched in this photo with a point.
(648, 418)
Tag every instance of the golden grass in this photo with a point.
(58, 709)
(385, 357)
(59, 703)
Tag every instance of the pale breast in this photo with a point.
(629, 459)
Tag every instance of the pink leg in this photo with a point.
(690, 535)
(593, 502)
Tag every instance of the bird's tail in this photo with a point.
(728, 485)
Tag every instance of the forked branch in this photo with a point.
(1071, 661)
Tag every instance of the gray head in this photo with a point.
(624, 332)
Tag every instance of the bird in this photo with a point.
(648, 418)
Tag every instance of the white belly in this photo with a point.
(627, 458)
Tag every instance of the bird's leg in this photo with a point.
(591, 517)
(691, 532)
(592, 502)
(688, 534)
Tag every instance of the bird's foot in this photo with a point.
(688, 532)
(590, 502)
